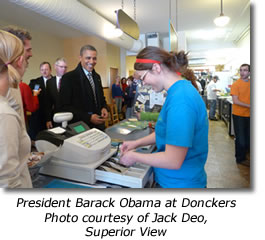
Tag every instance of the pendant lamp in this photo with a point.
(222, 20)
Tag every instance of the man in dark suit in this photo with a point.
(52, 92)
(37, 120)
(82, 93)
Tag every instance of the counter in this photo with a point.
(138, 176)
(225, 104)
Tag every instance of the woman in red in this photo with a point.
(30, 102)
(123, 84)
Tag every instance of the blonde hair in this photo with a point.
(11, 48)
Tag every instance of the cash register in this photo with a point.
(78, 153)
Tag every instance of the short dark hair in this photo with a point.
(130, 78)
(22, 34)
(246, 65)
(43, 63)
(87, 47)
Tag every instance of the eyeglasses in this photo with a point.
(143, 76)
(61, 66)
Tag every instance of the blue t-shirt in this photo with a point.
(183, 122)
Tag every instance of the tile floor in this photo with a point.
(221, 167)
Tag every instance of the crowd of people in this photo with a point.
(124, 95)
(43, 97)
(181, 132)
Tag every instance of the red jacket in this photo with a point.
(30, 102)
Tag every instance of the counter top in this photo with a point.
(224, 97)
(230, 100)
(44, 181)
(227, 98)
(116, 132)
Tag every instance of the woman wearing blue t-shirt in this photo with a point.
(181, 132)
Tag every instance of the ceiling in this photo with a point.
(194, 17)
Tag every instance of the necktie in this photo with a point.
(92, 85)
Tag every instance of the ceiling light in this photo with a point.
(222, 20)
(111, 31)
(117, 32)
(127, 24)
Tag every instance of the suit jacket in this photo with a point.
(76, 96)
(51, 98)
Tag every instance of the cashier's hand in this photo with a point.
(128, 158)
(127, 146)
(96, 119)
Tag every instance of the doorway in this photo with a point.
(113, 75)
(107, 91)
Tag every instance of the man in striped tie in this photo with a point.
(81, 91)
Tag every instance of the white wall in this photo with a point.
(123, 62)
(45, 47)
(242, 54)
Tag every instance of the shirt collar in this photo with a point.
(85, 71)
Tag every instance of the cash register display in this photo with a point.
(79, 128)
(91, 138)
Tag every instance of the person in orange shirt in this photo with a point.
(240, 92)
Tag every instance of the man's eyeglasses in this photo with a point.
(61, 66)
(143, 76)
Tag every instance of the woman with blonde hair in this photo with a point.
(14, 141)
(16, 68)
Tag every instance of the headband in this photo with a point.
(142, 60)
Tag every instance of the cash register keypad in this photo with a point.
(91, 138)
